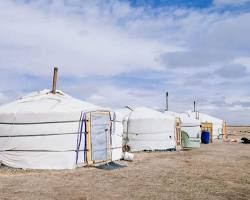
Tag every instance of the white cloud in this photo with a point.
(208, 107)
(243, 61)
(237, 108)
(3, 98)
(91, 43)
(114, 96)
(237, 99)
(182, 48)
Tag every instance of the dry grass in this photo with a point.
(215, 171)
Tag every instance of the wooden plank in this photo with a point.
(88, 138)
(224, 131)
(90, 160)
(178, 133)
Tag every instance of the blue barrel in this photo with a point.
(205, 137)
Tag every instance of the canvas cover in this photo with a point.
(121, 115)
(189, 124)
(147, 129)
(190, 129)
(203, 118)
(42, 131)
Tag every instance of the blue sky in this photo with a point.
(176, 3)
(115, 53)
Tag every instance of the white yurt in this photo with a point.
(217, 124)
(121, 122)
(117, 132)
(148, 129)
(190, 126)
(46, 130)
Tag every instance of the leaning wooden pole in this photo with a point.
(54, 80)
(224, 131)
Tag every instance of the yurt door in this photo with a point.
(208, 127)
(99, 138)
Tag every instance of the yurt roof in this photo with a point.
(189, 121)
(171, 113)
(121, 113)
(206, 118)
(44, 101)
(186, 120)
(148, 113)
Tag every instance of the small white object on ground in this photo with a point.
(128, 156)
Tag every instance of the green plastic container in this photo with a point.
(189, 142)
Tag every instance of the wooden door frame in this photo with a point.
(208, 126)
(178, 133)
(89, 159)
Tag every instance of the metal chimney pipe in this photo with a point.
(54, 80)
(166, 101)
(194, 107)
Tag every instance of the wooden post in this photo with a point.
(224, 131)
(178, 133)
(54, 80)
(88, 142)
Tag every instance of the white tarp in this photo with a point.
(147, 129)
(41, 131)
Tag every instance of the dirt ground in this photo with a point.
(215, 171)
(238, 132)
